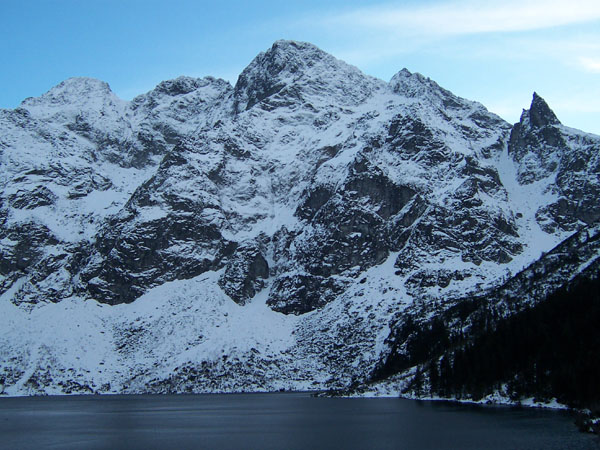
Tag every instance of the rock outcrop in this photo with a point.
(258, 224)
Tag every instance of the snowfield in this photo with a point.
(264, 236)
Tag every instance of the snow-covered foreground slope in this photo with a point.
(205, 237)
(188, 336)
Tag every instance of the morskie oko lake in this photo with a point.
(278, 421)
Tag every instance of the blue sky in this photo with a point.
(496, 52)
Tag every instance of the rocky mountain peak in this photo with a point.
(309, 189)
(539, 113)
(536, 142)
(77, 99)
(538, 129)
(546, 150)
(69, 91)
(183, 99)
(286, 67)
(285, 58)
(404, 79)
(414, 84)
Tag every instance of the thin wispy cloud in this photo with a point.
(469, 17)
(384, 30)
(479, 49)
(590, 64)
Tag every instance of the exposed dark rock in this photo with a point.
(542, 148)
(358, 201)
(142, 255)
(301, 293)
(313, 202)
(442, 278)
(22, 246)
(540, 114)
(245, 273)
(536, 136)
(40, 196)
(94, 182)
(409, 136)
(372, 187)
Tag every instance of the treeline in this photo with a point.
(548, 351)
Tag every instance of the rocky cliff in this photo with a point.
(206, 237)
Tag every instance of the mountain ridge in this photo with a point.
(309, 197)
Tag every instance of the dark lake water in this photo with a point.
(277, 421)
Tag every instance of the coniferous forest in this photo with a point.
(547, 351)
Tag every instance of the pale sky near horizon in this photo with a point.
(495, 52)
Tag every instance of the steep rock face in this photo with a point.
(71, 159)
(89, 109)
(173, 109)
(566, 159)
(166, 231)
(245, 274)
(265, 234)
(392, 154)
(293, 73)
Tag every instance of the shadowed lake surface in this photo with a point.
(277, 421)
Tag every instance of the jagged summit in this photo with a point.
(184, 85)
(411, 84)
(414, 84)
(185, 98)
(71, 90)
(292, 52)
(424, 98)
(561, 157)
(538, 129)
(77, 99)
(299, 69)
(540, 113)
(290, 57)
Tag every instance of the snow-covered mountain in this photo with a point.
(205, 237)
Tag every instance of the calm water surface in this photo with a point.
(277, 421)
